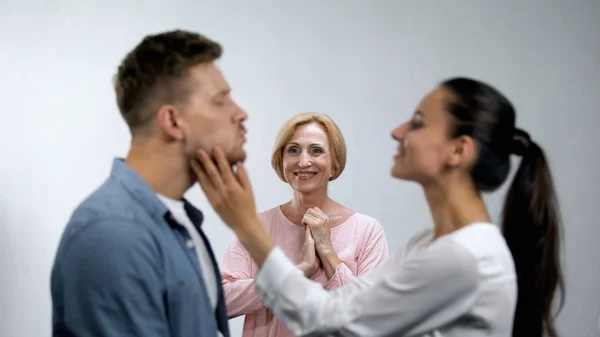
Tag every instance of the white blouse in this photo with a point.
(462, 284)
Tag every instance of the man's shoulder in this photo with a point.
(108, 209)
(102, 245)
(110, 199)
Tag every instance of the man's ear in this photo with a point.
(463, 152)
(169, 120)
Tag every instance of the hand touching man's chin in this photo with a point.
(234, 153)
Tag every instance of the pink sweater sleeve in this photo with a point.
(374, 251)
(238, 282)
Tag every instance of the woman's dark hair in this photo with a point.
(530, 218)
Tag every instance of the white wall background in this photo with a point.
(366, 63)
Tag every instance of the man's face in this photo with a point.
(210, 117)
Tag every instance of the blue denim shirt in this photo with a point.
(123, 268)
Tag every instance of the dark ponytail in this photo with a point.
(531, 226)
(530, 219)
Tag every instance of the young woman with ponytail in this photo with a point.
(463, 277)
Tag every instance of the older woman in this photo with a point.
(327, 241)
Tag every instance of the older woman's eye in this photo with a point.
(317, 150)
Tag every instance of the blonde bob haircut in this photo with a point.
(337, 144)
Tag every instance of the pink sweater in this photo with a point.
(360, 243)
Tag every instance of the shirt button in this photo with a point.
(190, 244)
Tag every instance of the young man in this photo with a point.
(133, 260)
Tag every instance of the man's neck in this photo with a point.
(162, 166)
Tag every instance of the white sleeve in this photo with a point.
(426, 291)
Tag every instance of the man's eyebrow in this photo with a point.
(222, 93)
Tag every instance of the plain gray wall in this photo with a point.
(367, 64)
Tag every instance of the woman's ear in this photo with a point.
(463, 152)
(333, 171)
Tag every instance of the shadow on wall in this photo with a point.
(24, 258)
(8, 266)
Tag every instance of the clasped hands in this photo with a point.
(317, 244)
(230, 195)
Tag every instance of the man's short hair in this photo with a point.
(155, 73)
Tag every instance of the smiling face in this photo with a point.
(307, 159)
(425, 148)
